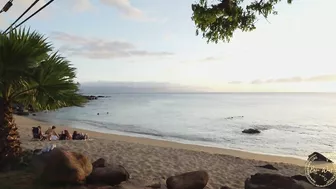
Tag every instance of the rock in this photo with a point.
(190, 180)
(100, 187)
(101, 162)
(300, 178)
(319, 157)
(271, 181)
(225, 187)
(321, 177)
(108, 175)
(268, 166)
(62, 167)
(251, 131)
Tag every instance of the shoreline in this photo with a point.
(28, 122)
(182, 142)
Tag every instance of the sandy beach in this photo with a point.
(148, 159)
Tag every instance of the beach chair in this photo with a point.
(36, 133)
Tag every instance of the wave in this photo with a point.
(137, 129)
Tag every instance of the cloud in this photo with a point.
(209, 58)
(201, 60)
(257, 81)
(318, 78)
(235, 82)
(94, 48)
(82, 5)
(322, 78)
(125, 7)
(285, 80)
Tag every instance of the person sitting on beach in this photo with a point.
(75, 136)
(67, 135)
(37, 133)
(51, 133)
(62, 136)
(79, 136)
(84, 136)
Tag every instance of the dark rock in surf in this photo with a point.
(268, 166)
(189, 180)
(271, 181)
(315, 156)
(251, 131)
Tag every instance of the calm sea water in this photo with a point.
(294, 124)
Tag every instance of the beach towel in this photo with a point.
(47, 148)
(53, 137)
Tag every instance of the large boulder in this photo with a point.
(318, 157)
(300, 178)
(113, 175)
(271, 181)
(190, 180)
(101, 162)
(62, 167)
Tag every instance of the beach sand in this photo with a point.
(148, 159)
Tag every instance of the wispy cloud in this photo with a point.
(94, 48)
(82, 5)
(235, 82)
(202, 60)
(127, 9)
(318, 78)
(124, 7)
(210, 58)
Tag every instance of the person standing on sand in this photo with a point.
(51, 133)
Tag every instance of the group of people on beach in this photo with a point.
(51, 134)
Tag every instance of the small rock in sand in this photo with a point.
(225, 187)
(113, 175)
(271, 181)
(190, 180)
(268, 166)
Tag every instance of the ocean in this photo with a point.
(291, 124)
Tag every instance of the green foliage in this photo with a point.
(218, 21)
(31, 73)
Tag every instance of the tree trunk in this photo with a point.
(10, 148)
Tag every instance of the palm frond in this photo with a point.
(31, 74)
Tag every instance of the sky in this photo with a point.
(155, 41)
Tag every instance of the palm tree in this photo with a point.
(31, 74)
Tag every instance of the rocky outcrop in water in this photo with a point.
(251, 131)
